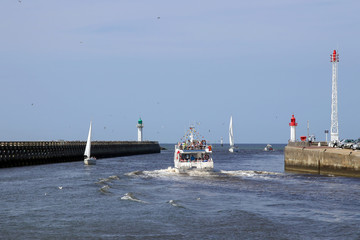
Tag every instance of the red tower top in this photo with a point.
(293, 121)
(334, 57)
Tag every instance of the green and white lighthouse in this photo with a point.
(140, 126)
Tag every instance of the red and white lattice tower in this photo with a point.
(293, 125)
(334, 59)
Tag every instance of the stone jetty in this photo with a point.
(15, 154)
(312, 158)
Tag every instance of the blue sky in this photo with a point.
(64, 63)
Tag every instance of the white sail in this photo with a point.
(231, 134)
(88, 144)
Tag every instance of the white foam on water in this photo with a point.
(101, 181)
(249, 173)
(114, 177)
(175, 204)
(173, 172)
(105, 189)
(131, 197)
(155, 173)
(162, 172)
(201, 173)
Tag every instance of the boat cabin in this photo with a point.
(190, 156)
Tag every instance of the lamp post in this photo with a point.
(326, 133)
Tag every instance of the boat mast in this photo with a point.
(191, 134)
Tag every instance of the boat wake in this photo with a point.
(250, 173)
(173, 172)
(155, 173)
(131, 197)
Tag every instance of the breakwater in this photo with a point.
(303, 157)
(14, 154)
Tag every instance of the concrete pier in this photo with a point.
(303, 157)
(14, 154)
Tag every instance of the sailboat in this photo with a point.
(88, 160)
(231, 137)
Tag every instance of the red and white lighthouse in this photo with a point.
(293, 125)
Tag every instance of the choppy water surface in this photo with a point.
(248, 196)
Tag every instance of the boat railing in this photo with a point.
(195, 161)
(201, 147)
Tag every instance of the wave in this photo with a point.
(109, 179)
(134, 173)
(105, 189)
(131, 197)
(155, 173)
(175, 204)
(114, 177)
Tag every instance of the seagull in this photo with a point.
(60, 188)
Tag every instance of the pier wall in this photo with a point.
(322, 160)
(14, 154)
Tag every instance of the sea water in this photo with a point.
(248, 196)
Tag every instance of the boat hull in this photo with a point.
(90, 161)
(196, 165)
(233, 149)
(268, 148)
(194, 159)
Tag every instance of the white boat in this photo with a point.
(268, 148)
(88, 160)
(193, 154)
(231, 137)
